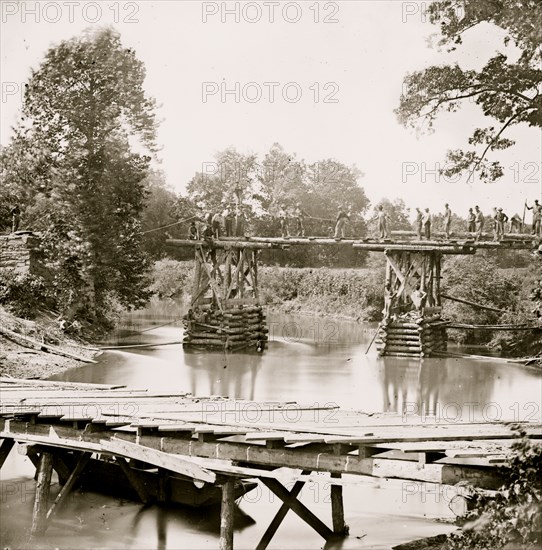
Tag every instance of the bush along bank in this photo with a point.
(350, 293)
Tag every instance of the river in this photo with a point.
(310, 360)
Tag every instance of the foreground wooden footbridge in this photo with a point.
(226, 310)
(218, 441)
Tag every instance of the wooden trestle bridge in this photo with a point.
(226, 309)
(61, 426)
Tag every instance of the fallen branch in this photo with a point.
(473, 304)
(27, 342)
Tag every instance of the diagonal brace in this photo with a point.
(280, 515)
(299, 508)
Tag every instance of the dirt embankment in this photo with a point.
(38, 349)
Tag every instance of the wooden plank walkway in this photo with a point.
(462, 243)
(217, 440)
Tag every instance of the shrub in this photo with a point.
(356, 293)
(24, 294)
(170, 277)
(513, 517)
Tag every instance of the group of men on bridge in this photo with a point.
(231, 222)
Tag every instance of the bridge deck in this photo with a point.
(464, 243)
(205, 436)
(216, 440)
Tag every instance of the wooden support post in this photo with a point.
(5, 448)
(67, 487)
(299, 508)
(241, 275)
(163, 485)
(438, 298)
(227, 275)
(134, 480)
(226, 515)
(43, 485)
(280, 515)
(255, 274)
(337, 509)
(196, 290)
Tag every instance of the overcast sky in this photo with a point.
(338, 69)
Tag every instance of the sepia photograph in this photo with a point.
(271, 274)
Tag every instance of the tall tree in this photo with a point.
(220, 181)
(72, 165)
(160, 217)
(508, 90)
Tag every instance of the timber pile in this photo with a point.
(234, 328)
(412, 337)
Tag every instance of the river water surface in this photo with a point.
(312, 361)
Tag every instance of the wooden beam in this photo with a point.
(43, 485)
(227, 508)
(134, 480)
(5, 448)
(67, 487)
(280, 515)
(299, 508)
(167, 461)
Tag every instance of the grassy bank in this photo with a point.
(348, 293)
(22, 356)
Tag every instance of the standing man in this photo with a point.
(228, 222)
(216, 223)
(389, 297)
(478, 221)
(239, 222)
(283, 218)
(193, 232)
(501, 219)
(418, 297)
(447, 221)
(494, 218)
(383, 224)
(342, 216)
(537, 217)
(419, 223)
(299, 216)
(426, 220)
(15, 218)
(471, 218)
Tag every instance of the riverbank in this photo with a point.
(38, 349)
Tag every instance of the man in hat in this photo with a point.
(342, 216)
(426, 220)
(283, 219)
(419, 223)
(537, 217)
(299, 217)
(501, 218)
(447, 220)
(383, 224)
(478, 221)
(471, 226)
(15, 218)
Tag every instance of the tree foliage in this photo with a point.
(72, 168)
(513, 517)
(279, 179)
(506, 89)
